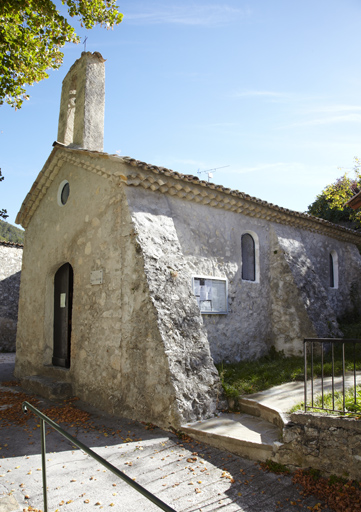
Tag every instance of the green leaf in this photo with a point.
(32, 33)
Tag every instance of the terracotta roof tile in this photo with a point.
(274, 210)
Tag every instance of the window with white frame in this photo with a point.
(211, 294)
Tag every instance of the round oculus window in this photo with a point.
(63, 193)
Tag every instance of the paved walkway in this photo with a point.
(188, 475)
(282, 398)
(254, 434)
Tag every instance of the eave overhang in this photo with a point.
(132, 172)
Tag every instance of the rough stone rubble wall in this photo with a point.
(300, 303)
(292, 299)
(327, 443)
(10, 270)
(146, 391)
(179, 323)
(307, 260)
(210, 240)
(289, 318)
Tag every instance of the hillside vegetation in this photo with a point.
(10, 233)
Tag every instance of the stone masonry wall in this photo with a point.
(132, 353)
(290, 322)
(210, 240)
(179, 323)
(296, 251)
(328, 443)
(10, 270)
(291, 299)
(307, 255)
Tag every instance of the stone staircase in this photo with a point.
(47, 387)
(256, 431)
(242, 434)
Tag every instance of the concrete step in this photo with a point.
(249, 436)
(47, 387)
(250, 406)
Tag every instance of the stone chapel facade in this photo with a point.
(136, 279)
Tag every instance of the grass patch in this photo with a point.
(248, 377)
(350, 405)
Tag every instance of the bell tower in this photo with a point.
(81, 117)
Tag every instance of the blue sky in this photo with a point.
(270, 89)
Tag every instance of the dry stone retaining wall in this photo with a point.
(328, 443)
(10, 269)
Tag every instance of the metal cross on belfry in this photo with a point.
(84, 43)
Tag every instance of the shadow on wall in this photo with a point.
(9, 300)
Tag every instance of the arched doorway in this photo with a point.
(63, 302)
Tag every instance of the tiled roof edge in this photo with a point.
(320, 225)
(12, 244)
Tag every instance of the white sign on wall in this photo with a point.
(211, 294)
(96, 277)
(63, 300)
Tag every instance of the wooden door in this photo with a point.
(63, 301)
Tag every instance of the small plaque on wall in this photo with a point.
(96, 277)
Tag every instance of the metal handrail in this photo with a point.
(332, 342)
(44, 419)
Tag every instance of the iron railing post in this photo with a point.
(305, 376)
(322, 347)
(343, 378)
(147, 494)
(43, 464)
(338, 342)
(333, 377)
(354, 373)
(312, 373)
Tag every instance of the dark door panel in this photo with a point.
(63, 301)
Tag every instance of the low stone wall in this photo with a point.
(10, 270)
(329, 443)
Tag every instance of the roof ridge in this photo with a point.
(253, 206)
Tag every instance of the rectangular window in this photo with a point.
(211, 294)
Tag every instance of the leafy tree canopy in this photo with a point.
(10, 233)
(32, 32)
(330, 204)
(3, 213)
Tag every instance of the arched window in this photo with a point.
(333, 269)
(248, 258)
